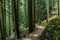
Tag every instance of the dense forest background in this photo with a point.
(40, 14)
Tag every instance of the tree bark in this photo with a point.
(16, 13)
(38, 9)
(58, 7)
(30, 12)
(33, 12)
(3, 19)
(47, 6)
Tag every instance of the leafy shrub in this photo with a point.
(52, 30)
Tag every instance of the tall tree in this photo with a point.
(0, 25)
(38, 9)
(58, 6)
(16, 13)
(33, 12)
(3, 15)
(9, 17)
(26, 12)
(30, 12)
(47, 6)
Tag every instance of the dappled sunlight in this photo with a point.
(26, 39)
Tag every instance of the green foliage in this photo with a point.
(53, 7)
(45, 23)
(10, 21)
(23, 16)
(43, 11)
(52, 28)
(52, 31)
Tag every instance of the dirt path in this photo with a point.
(35, 35)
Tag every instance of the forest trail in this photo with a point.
(35, 35)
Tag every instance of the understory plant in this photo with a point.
(52, 31)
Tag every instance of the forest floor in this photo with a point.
(33, 36)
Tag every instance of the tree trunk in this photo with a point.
(47, 6)
(3, 20)
(38, 9)
(33, 12)
(16, 13)
(30, 12)
(58, 7)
